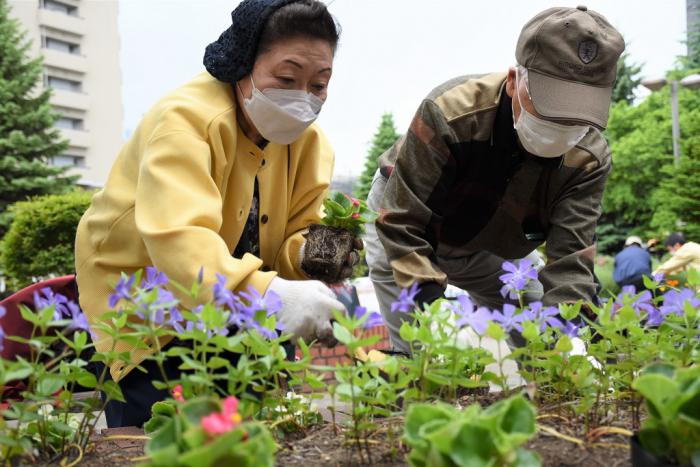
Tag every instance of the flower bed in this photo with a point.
(579, 395)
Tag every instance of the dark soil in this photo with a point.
(330, 446)
(560, 441)
(326, 251)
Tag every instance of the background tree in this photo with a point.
(627, 80)
(612, 227)
(384, 138)
(28, 139)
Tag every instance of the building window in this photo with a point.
(63, 84)
(67, 160)
(61, 46)
(56, 5)
(69, 123)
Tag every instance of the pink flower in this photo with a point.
(355, 201)
(177, 393)
(222, 422)
(356, 215)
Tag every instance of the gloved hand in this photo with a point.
(307, 309)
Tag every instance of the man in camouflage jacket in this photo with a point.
(493, 166)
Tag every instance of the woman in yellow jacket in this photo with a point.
(223, 174)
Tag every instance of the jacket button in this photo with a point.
(264, 219)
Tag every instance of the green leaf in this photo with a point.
(525, 458)
(658, 390)
(113, 391)
(48, 385)
(194, 409)
(495, 331)
(87, 379)
(342, 334)
(420, 414)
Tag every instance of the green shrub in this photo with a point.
(41, 238)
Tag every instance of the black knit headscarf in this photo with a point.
(232, 56)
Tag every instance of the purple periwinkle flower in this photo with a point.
(516, 277)
(468, 315)
(639, 302)
(374, 319)
(655, 318)
(541, 316)
(674, 301)
(122, 291)
(79, 321)
(222, 295)
(2, 331)
(175, 320)
(405, 302)
(658, 277)
(571, 329)
(270, 302)
(48, 298)
(154, 279)
(508, 319)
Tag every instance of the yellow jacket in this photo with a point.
(687, 256)
(178, 197)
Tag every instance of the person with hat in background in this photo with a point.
(685, 255)
(632, 264)
(222, 175)
(494, 166)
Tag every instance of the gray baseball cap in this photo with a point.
(571, 55)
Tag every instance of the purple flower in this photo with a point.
(47, 299)
(477, 319)
(2, 331)
(655, 318)
(658, 277)
(175, 320)
(155, 312)
(79, 321)
(674, 301)
(570, 329)
(508, 319)
(405, 302)
(222, 295)
(270, 302)
(640, 303)
(541, 316)
(374, 319)
(516, 277)
(121, 291)
(153, 279)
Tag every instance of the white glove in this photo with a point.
(307, 309)
(579, 348)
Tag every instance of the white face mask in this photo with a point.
(544, 138)
(282, 115)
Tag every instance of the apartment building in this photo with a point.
(79, 40)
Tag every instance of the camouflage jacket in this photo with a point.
(458, 182)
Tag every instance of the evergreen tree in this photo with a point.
(385, 137)
(28, 138)
(627, 80)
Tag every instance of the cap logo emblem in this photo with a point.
(587, 51)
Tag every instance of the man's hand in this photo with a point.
(307, 309)
(352, 260)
